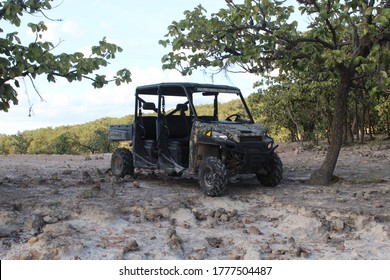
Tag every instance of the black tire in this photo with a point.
(212, 176)
(275, 172)
(122, 162)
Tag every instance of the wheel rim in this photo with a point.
(208, 178)
(117, 165)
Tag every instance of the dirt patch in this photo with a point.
(70, 207)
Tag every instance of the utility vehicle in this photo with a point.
(181, 128)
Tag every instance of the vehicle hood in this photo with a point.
(236, 131)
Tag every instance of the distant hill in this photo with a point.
(85, 138)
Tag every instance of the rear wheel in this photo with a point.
(274, 172)
(122, 162)
(213, 176)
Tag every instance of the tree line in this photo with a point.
(283, 110)
(88, 138)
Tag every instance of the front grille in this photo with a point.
(254, 154)
(250, 139)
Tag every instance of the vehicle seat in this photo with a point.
(179, 128)
(148, 127)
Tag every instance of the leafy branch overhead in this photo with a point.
(260, 35)
(247, 35)
(37, 58)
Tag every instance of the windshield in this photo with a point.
(219, 106)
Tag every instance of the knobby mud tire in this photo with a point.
(122, 162)
(275, 172)
(213, 177)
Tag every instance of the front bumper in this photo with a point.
(247, 156)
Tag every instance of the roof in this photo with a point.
(177, 89)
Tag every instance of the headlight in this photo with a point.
(269, 141)
(217, 135)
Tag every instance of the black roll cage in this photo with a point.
(184, 90)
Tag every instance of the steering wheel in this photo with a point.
(229, 118)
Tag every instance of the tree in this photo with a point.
(21, 143)
(345, 40)
(63, 144)
(285, 103)
(37, 58)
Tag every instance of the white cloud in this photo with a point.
(73, 29)
(119, 101)
(58, 31)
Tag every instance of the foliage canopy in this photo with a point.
(38, 58)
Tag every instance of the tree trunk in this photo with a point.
(388, 123)
(362, 125)
(354, 130)
(324, 175)
(356, 127)
(369, 124)
(348, 134)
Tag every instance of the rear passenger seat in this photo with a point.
(179, 130)
(179, 127)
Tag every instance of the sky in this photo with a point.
(134, 25)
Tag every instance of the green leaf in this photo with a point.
(381, 19)
(33, 27)
(368, 12)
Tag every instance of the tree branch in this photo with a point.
(35, 88)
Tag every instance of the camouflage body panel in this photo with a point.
(244, 145)
(233, 130)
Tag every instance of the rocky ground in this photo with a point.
(70, 207)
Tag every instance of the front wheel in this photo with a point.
(213, 176)
(122, 162)
(274, 172)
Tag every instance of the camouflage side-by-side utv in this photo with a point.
(179, 128)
